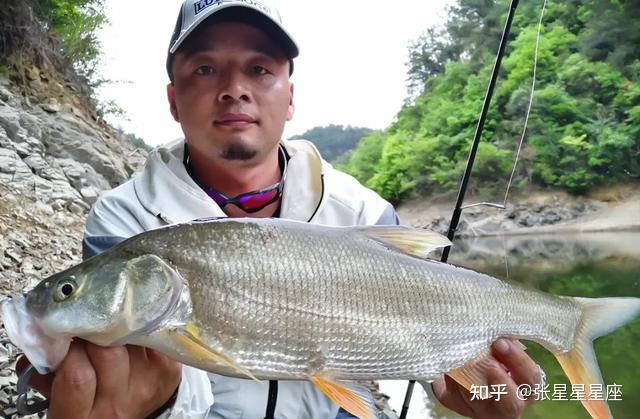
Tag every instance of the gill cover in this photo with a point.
(154, 294)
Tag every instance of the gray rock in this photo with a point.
(17, 238)
(32, 124)
(23, 149)
(82, 175)
(36, 162)
(76, 208)
(10, 121)
(51, 106)
(42, 188)
(13, 255)
(89, 194)
(35, 144)
(5, 94)
(4, 140)
(57, 205)
(8, 160)
(63, 191)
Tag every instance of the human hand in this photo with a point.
(511, 366)
(97, 382)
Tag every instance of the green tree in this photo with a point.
(583, 128)
(333, 141)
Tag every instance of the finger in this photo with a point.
(452, 395)
(112, 371)
(138, 353)
(522, 368)
(162, 362)
(505, 402)
(41, 383)
(141, 365)
(74, 385)
(154, 378)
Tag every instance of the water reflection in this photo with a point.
(585, 265)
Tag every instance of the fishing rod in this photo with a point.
(457, 211)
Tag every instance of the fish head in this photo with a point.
(80, 301)
(77, 302)
(103, 300)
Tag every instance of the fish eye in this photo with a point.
(64, 290)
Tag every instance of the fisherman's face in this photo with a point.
(231, 92)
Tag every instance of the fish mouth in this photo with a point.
(44, 352)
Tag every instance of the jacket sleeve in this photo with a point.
(107, 225)
(389, 217)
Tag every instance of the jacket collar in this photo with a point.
(166, 190)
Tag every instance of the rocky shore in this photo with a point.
(539, 212)
(56, 157)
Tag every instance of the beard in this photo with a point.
(238, 151)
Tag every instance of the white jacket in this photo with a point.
(164, 193)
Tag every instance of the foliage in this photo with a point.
(76, 23)
(584, 128)
(334, 141)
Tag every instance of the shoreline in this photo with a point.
(612, 209)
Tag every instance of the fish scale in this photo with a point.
(340, 301)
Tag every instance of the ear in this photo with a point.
(292, 107)
(171, 96)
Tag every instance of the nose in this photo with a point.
(234, 88)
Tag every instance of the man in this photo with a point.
(229, 64)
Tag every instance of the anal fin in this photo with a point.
(188, 337)
(351, 397)
(473, 373)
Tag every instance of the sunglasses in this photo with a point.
(253, 201)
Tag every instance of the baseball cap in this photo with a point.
(256, 13)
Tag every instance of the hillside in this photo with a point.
(56, 157)
(583, 130)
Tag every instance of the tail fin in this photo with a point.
(600, 317)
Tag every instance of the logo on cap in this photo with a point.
(203, 4)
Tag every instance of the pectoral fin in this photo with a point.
(188, 337)
(352, 398)
(414, 241)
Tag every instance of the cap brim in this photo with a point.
(244, 13)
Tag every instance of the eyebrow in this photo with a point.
(205, 45)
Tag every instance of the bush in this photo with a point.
(76, 23)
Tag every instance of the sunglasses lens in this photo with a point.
(257, 201)
(219, 199)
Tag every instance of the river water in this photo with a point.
(584, 265)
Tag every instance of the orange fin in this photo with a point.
(581, 367)
(473, 372)
(354, 399)
(189, 338)
(599, 317)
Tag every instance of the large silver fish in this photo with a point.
(276, 299)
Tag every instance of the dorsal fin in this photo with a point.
(414, 241)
